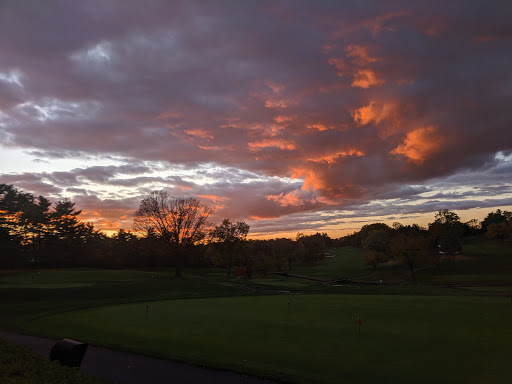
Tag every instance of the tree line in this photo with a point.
(168, 232)
(415, 246)
(175, 232)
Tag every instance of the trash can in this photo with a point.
(69, 352)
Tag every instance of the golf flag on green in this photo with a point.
(359, 321)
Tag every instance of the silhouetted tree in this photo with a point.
(446, 232)
(180, 221)
(501, 231)
(378, 243)
(357, 238)
(66, 235)
(314, 246)
(285, 253)
(497, 225)
(16, 210)
(40, 233)
(248, 257)
(411, 248)
(472, 227)
(125, 250)
(226, 242)
(445, 216)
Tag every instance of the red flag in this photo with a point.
(359, 321)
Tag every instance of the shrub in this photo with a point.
(19, 365)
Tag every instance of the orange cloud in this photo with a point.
(109, 226)
(329, 194)
(419, 144)
(215, 199)
(276, 88)
(366, 78)
(283, 119)
(200, 133)
(340, 65)
(372, 113)
(318, 127)
(286, 199)
(90, 214)
(311, 180)
(388, 116)
(359, 55)
(105, 224)
(276, 103)
(255, 217)
(272, 142)
(331, 158)
(212, 148)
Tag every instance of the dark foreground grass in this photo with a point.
(19, 365)
(28, 295)
(421, 339)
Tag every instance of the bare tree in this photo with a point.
(180, 221)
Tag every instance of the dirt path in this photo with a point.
(127, 368)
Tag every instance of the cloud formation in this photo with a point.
(289, 114)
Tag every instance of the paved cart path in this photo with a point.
(128, 368)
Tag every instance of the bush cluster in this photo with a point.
(19, 365)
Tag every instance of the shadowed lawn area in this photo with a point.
(504, 289)
(481, 262)
(282, 282)
(404, 339)
(87, 277)
(28, 295)
(345, 262)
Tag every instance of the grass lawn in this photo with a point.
(344, 263)
(32, 294)
(423, 339)
(481, 262)
(419, 331)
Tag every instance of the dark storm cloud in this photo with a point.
(351, 101)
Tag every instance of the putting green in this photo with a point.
(423, 339)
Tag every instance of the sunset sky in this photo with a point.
(295, 116)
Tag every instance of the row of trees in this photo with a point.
(172, 231)
(228, 249)
(182, 223)
(168, 232)
(415, 246)
(34, 231)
